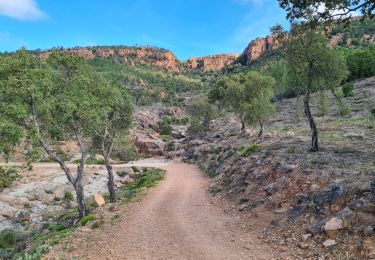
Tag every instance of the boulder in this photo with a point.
(315, 228)
(99, 200)
(329, 243)
(127, 180)
(342, 220)
(150, 146)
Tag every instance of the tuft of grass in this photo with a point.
(347, 89)
(7, 176)
(145, 179)
(87, 219)
(214, 190)
(244, 151)
(68, 196)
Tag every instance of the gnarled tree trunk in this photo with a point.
(314, 131)
(111, 182)
(260, 134)
(80, 193)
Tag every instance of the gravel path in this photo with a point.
(176, 220)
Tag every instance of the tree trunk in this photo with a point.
(111, 182)
(243, 124)
(314, 131)
(80, 193)
(260, 134)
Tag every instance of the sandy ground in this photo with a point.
(176, 220)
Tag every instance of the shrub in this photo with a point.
(87, 219)
(165, 127)
(344, 108)
(214, 190)
(245, 151)
(123, 149)
(8, 238)
(68, 196)
(347, 89)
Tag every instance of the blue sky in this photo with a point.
(189, 28)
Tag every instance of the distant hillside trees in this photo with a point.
(248, 95)
(201, 113)
(312, 67)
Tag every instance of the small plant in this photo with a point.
(292, 149)
(344, 108)
(97, 224)
(8, 238)
(56, 227)
(171, 147)
(347, 89)
(68, 196)
(87, 219)
(244, 151)
(214, 190)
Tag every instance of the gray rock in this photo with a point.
(316, 228)
(362, 205)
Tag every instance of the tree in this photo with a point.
(236, 97)
(327, 9)
(312, 67)
(259, 90)
(50, 101)
(116, 118)
(201, 113)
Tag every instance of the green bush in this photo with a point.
(123, 149)
(245, 151)
(8, 238)
(7, 176)
(87, 219)
(347, 89)
(68, 196)
(165, 127)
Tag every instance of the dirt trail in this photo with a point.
(176, 220)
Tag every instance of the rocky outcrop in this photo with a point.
(211, 63)
(146, 55)
(259, 46)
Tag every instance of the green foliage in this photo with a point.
(312, 65)
(123, 148)
(201, 113)
(323, 103)
(214, 190)
(297, 9)
(361, 63)
(347, 89)
(258, 91)
(148, 84)
(68, 196)
(8, 238)
(165, 126)
(244, 151)
(277, 69)
(344, 108)
(87, 219)
(148, 178)
(7, 176)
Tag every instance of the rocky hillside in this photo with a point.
(211, 63)
(146, 55)
(319, 202)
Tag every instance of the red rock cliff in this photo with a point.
(211, 63)
(259, 46)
